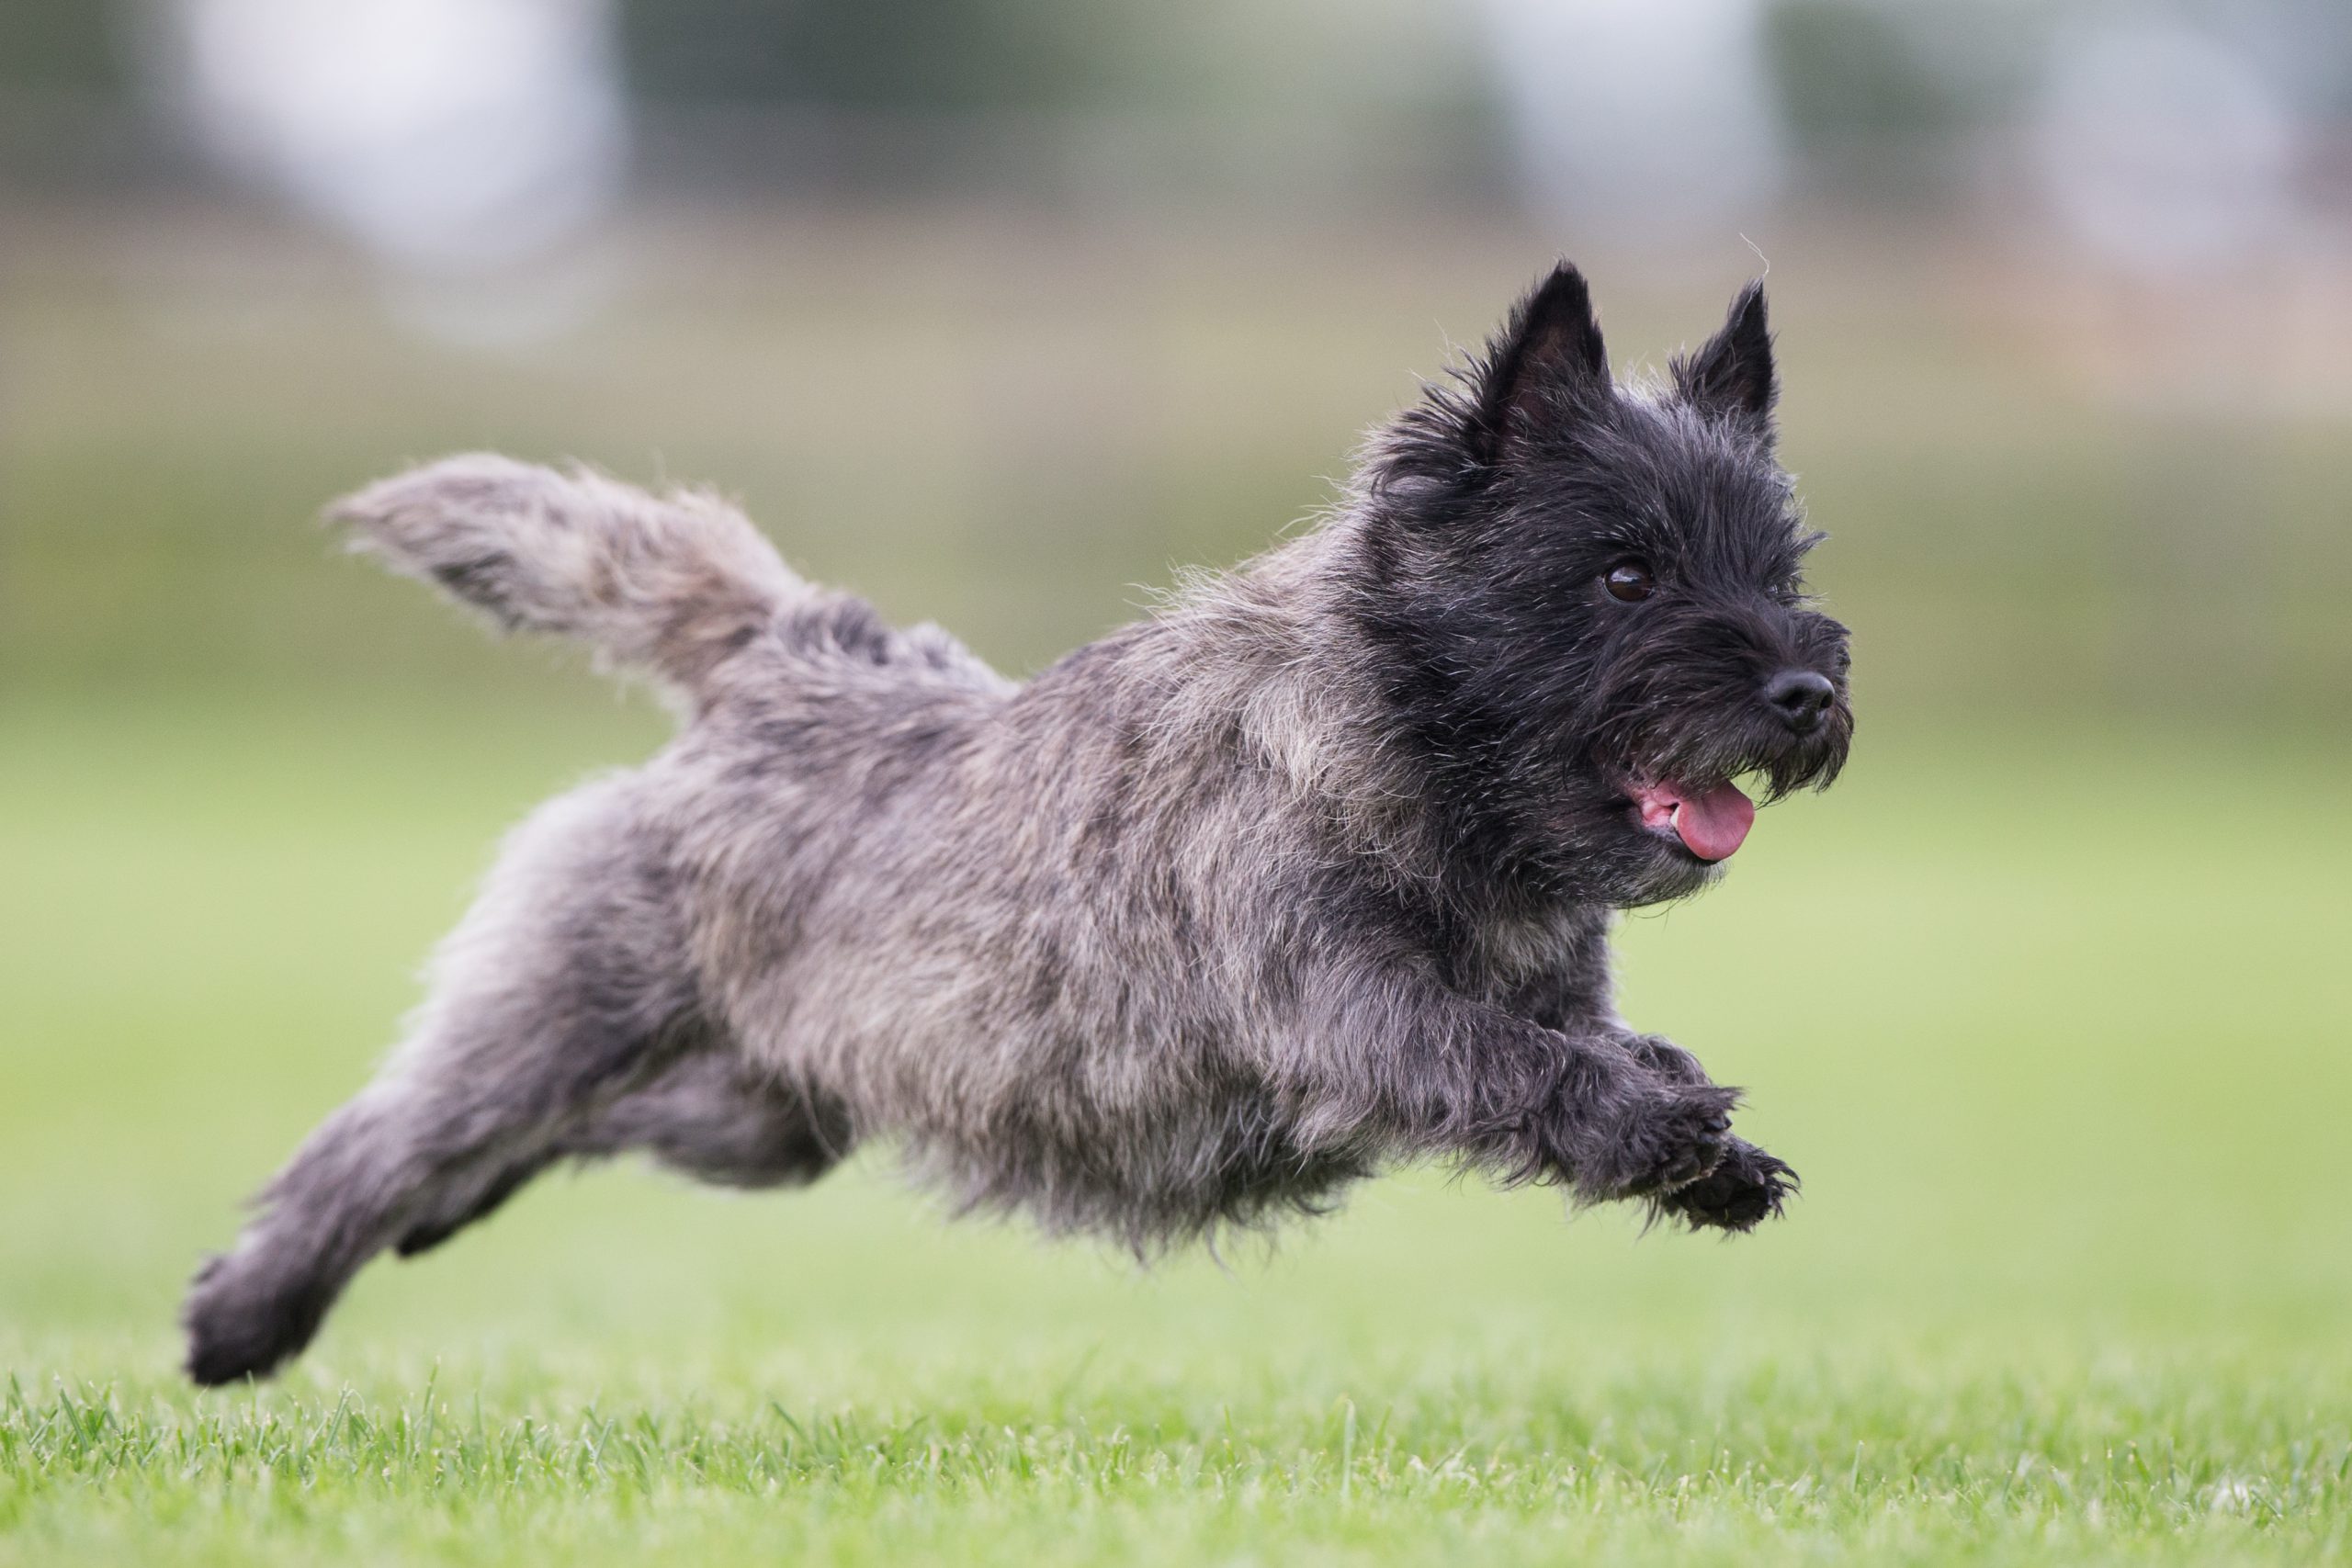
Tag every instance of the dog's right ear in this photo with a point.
(1545, 364)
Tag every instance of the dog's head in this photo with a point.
(1590, 604)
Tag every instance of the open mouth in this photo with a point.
(1710, 823)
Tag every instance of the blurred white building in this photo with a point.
(464, 143)
(1641, 122)
(2165, 148)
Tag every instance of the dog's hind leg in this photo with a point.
(708, 1114)
(561, 991)
(716, 1118)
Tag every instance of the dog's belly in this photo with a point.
(1145, 1177)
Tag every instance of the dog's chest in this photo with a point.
(1557, 954)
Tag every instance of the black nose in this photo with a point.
(1800, 697)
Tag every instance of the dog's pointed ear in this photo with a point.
(1547, 360)
(1732, 372)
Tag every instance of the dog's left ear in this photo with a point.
(1732, 372)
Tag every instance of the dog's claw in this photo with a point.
(1747, 1188)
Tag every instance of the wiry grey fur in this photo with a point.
(1309, 872)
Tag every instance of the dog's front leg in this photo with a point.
(1446, 1074)
(1747, 1188)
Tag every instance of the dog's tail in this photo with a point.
(671, 585)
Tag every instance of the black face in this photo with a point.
(1591, 605)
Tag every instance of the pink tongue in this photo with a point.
(1713, 825)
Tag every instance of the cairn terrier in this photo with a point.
(1310, 871)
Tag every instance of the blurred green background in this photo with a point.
(1000, 314)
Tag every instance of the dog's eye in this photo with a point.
(1629, 580)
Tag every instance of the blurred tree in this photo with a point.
(1850, 75)
(897, 54)
(67, 46)
(981, 55)
(1306, 97)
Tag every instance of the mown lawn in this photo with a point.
(2054, 1024)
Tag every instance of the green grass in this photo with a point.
(1694, 1458)
(2052, 1022)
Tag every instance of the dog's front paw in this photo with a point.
(1745, 1190)
(1668, 1138)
